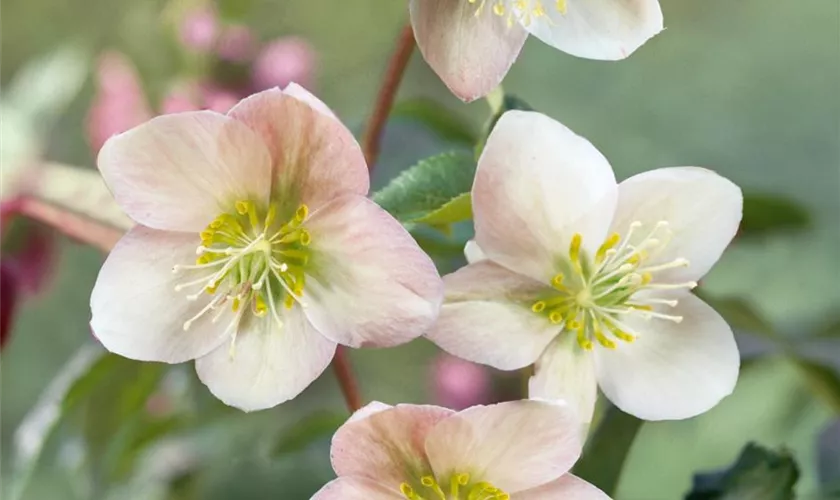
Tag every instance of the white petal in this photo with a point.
(515, 446)
(177, 172)
(269, 365)
(537, 184)
(135, 310)
(487, 317)
(599, 29)
(567, 487)
(672, 371)
(301, 94)
(473, 252)
(702, 209)
(356, 488)
(565, 372)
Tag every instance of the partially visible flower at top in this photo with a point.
(199, 29)
(471, 44)
(282, 61)
(458, 383)
(520, 450)
(591, 279)
(256, 250)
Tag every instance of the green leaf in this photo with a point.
(444, 122)
(758, 474)
(765, 213)
(304, 432)
(431, 191)
(739, 313)
(604, 456)
(508, 102)
(823, 381)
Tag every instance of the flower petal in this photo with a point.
(599, 29)
(470, 53)
(356, 488)
(473, 252)
(135, 310)
(702, 209)
(672, 371)
(177, 172)
(487, 317)
(568, 487)
(267, 365)
(566, 372)
(537, 184)
(372, 285)
(515, 445)
(387, 445)
(301, 94)
(315, 157)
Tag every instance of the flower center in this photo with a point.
(589, 295)
(248, 261)
(460, 488)
(524, 11)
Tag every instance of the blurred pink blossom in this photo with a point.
(181, 98)
(218, 99)
(282, 61)
(459, 384)
(198, 30)
(236, 44)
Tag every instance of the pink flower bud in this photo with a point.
(459, 384)
(198, 30)
(237, 44)
(283, 61)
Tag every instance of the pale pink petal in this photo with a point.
(470, 53)
(387, 446)
(702, 209)
(368, 410)
(672, 371)
(267, 364)
(473, 252)
(487, 318)
(356, 488)
(537, 184)
(316, 158)
(568, 487)
(301, 94)
(599, 29)
(565, 372)
(135, 310)
(514, 446)
(178, 172)
(372, 285)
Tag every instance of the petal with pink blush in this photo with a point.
(470, 53)
(386, 446)
(536, 185)
(566, 372)
(486, 317)
(599, 29)
(356, 488)
(370, 285)
(267, 364)
(315, 157)
(135, 310)
(177, 172)
(301, 94)
(368, 410)
(568, 487)
(514, 446)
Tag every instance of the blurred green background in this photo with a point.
(748, 88)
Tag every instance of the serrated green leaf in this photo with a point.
(444, 122)
(455, 210)
(758, 474)
(508, 102)
(605, 454)
(765, 213)
(426, 188)
(306, 431)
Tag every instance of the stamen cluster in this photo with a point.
(460, 488)
(524, 11)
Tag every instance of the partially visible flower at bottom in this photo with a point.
(520, 450)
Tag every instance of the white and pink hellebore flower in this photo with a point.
(256, 251)
(519, 450)
(471, 44)
(591, 279)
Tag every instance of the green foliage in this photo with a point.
(758, 474)
(443, 121)
(764, 213)
(607, 449)
(306, 431)
(433, 191)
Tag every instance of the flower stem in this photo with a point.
(80, 228)
(346, 380)
(387, 93)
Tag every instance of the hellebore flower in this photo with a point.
(256, 250)
(591, 279)
(471, 44)
(520, 450)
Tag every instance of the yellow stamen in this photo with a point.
(561, 6)
(557, 282)
(574, 248)
(555, 317)
(538, 307)
(609, 243)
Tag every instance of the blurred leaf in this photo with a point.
(306, 431)
(758, 474)
(823, 381)
(234, 10)
(832, 330)
(604, 456)
(446, 123)
(764, 213)
(426, 189)
(455, 210)
(739, 313)
(508, 102)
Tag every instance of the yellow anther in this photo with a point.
(555, 317)
(207, 234)
(603, 340)
(203, 259)
(260, 307)
(456, 482)
(211, 289)
(269, 217)
(408, 492)
(217, 223)
(646, 278)
(499, 9)
(236, 304)
(641, 307)
(609, 243)
(561, 6)
(574, 248)
(538, 307)
(301, 213)
(431, 483)
(623, 335)
(305, 237)
(557, 282)
(289, 301)
(242, 207)
(582, 339)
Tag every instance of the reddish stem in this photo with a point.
(70, 224)
(346, 380)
